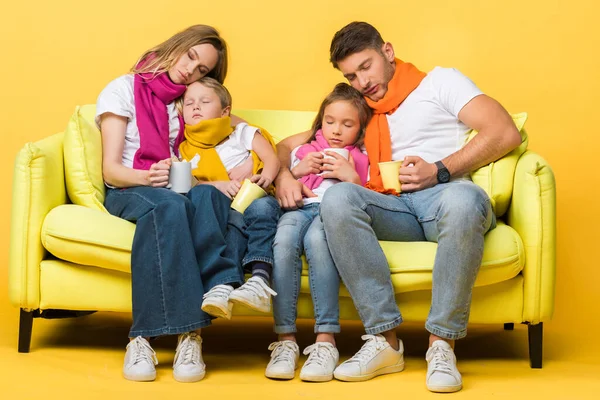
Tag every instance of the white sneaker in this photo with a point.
(375, 357)
(284, 360)
(140, 360)
(442, 374)
(216, 301)
(255, 294)
(321, 362)
(188, 365)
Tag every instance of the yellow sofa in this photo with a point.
(67, 259)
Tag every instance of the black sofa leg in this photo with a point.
(509, 326)
(25, 326)
(536, 334)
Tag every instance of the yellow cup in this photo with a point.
(247, 194)
(389, 174)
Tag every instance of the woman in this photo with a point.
(179, 249)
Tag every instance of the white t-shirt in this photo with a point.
(426, 124)
(236, 149)
(117, 98)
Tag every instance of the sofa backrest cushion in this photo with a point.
(83, 159)
(497, 177)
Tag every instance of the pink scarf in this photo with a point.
(361, 161)
(152, 93)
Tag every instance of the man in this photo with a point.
(422, 119)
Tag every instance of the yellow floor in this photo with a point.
(82, 358)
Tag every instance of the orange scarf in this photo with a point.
(377, 139)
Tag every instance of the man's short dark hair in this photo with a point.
(354, 37)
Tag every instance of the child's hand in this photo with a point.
(261, 180)
(158, 174)
(242, 171)
(311, 164)
(340, 168)
(228, 188)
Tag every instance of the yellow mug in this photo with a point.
(246, 195)
(389, 171)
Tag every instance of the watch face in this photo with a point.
(443, 176)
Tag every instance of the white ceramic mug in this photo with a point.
(180, 176)
(342, 152)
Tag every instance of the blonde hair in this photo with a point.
(345, 92)
(166, 54)
(220, 90)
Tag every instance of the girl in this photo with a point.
(179, 248)
(340, 124)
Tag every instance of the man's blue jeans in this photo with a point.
(456, 215)
(302, 231)
(182, 247)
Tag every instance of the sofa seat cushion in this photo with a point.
(411, 263)
(85, 236)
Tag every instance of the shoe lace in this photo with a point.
(188, 350)
(373, 345)
(222, 291)
(142, 351)
(441, 360)
(258, 287)
(284, 351)
(320, 353)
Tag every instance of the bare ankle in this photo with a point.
(326, 337)
(287, 336)
(433, 338)
(391, 338)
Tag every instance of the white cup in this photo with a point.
(342, 152)
(180, 176)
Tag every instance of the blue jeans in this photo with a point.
(182, 247)
(302, 231)
(456, 215)
(259, 224)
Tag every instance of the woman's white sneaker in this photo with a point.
(284, 360)
(140, 360)
(216, 301)
(188, 365)
(255, 294)
(322, 360)
(442, 374)
(376, 357)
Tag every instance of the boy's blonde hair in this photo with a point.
(220, 90)
(166, 54)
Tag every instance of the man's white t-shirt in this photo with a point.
(117, 98)
(426, 124)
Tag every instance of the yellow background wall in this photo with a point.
(535, 56)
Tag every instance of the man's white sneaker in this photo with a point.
(322, 360)
(216, 301)
(188, 365)
(255, 294)
(284, 360)
(140, 360)
(376, 357)
(442, 374)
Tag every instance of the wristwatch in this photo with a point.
(443, 175)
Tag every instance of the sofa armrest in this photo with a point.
(38, 187)
(532, 214)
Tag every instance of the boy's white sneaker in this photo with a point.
(140, 360)
(284, 360)
(376, 357)
(442, 374)
(188, 365)
(216, 301)
(255, 294)
(322, 360)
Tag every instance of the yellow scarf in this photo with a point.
(202, 139)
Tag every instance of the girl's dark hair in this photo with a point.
(345, 92)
